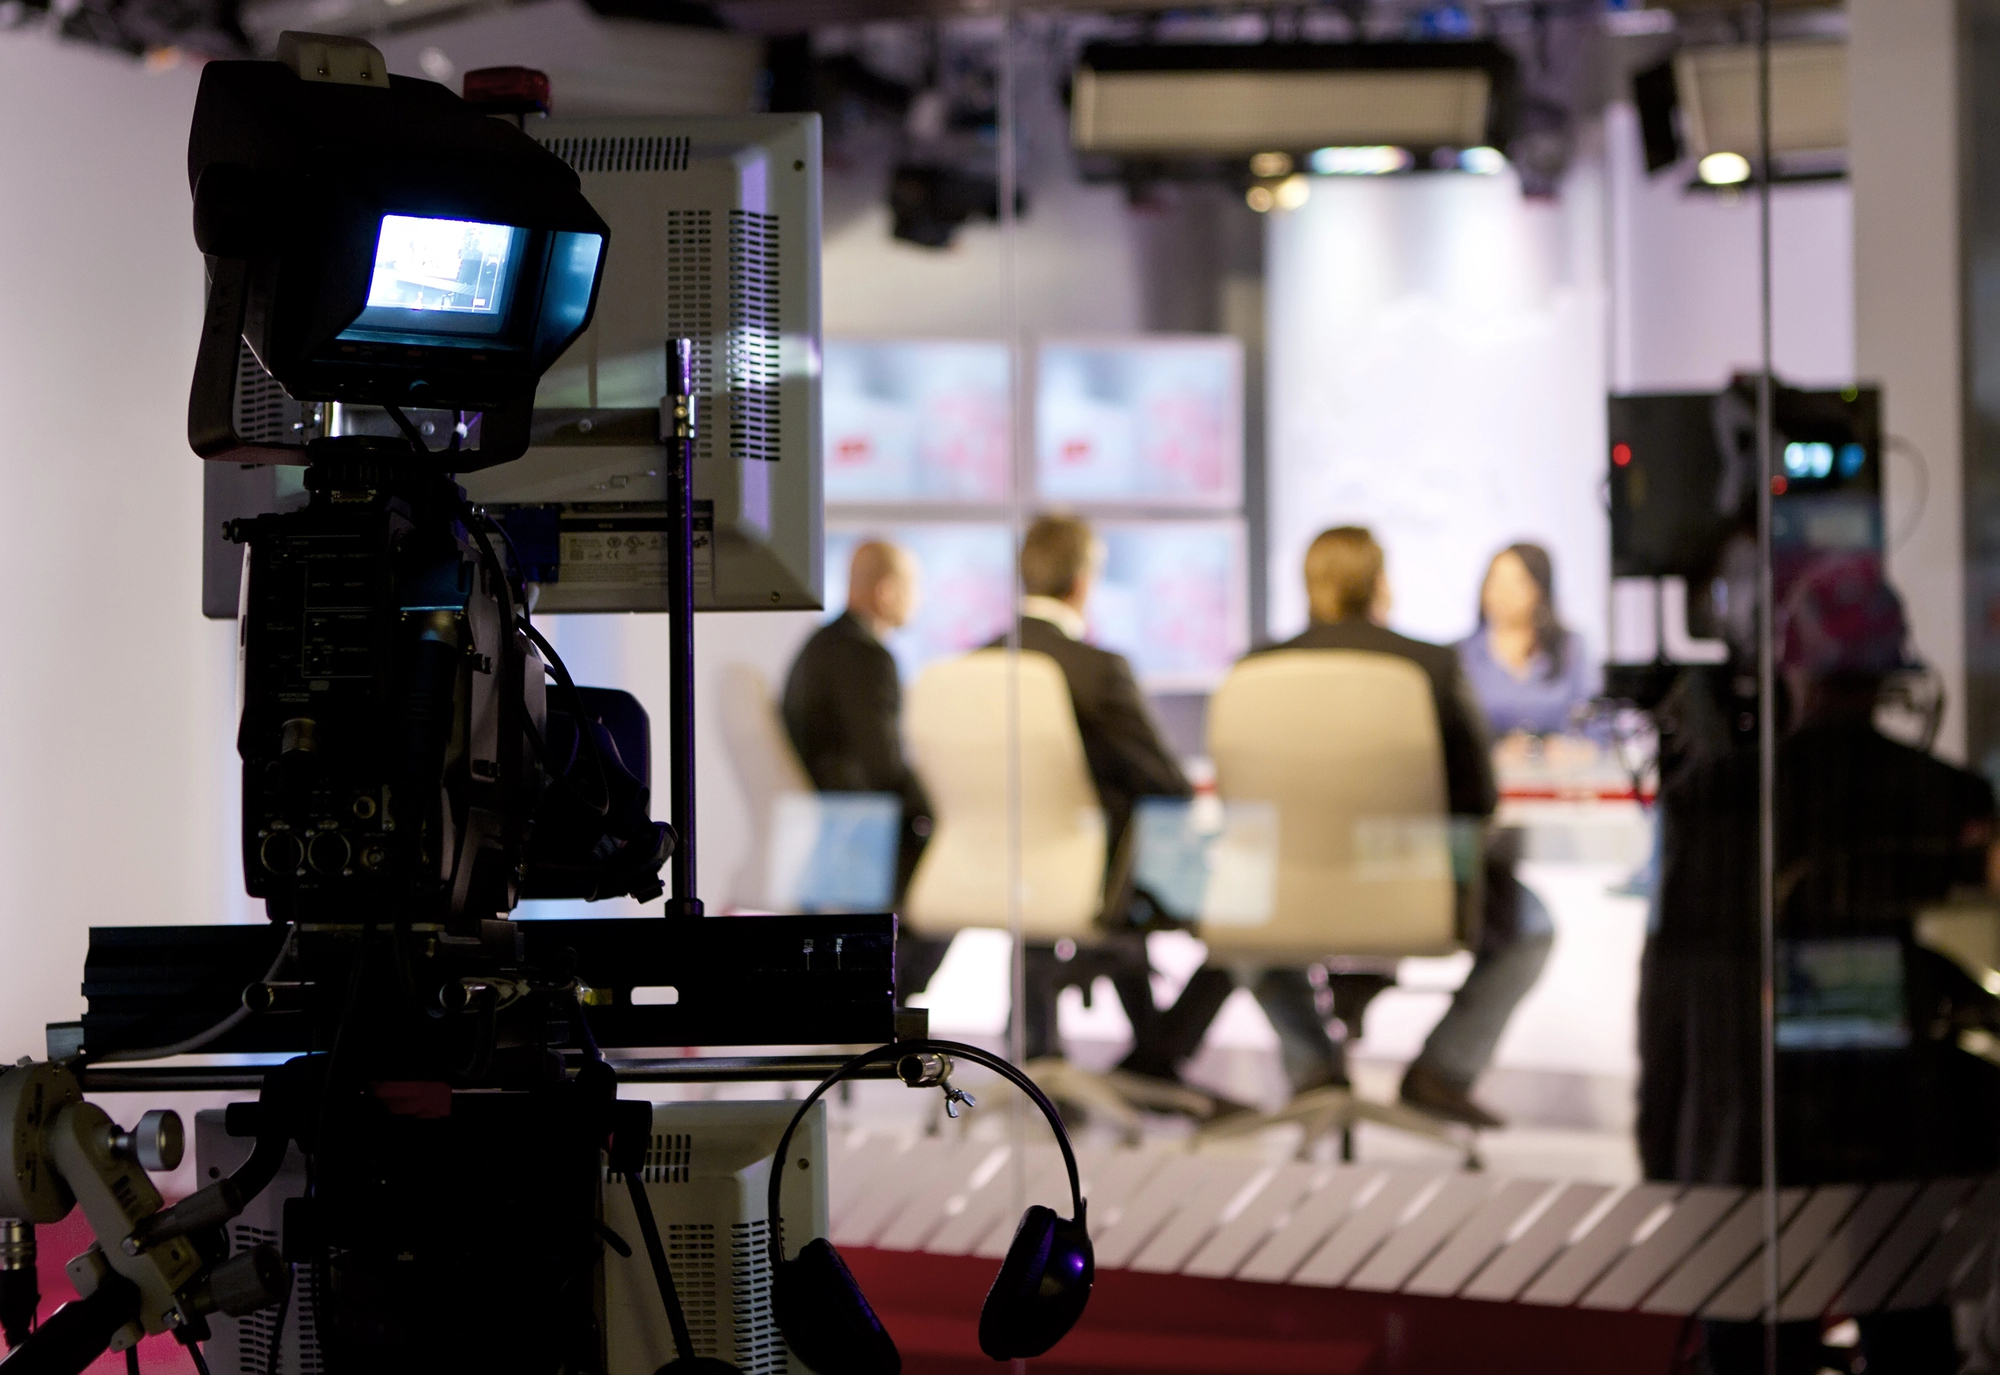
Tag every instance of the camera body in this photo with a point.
(387, 700)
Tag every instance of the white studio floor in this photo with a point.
(1564, 1074)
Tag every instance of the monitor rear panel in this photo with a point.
(715, 236)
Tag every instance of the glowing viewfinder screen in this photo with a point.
(461, 267)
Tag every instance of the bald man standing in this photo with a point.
(843, 704)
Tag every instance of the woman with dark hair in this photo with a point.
(1529, 673)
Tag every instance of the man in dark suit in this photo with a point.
(1059, 562)
(1348, 593)
(1060, 557)
(843, 703)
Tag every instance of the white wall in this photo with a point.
(1684, 277)
(1904, 145)
(1436, 372)
(1076, 263)
(119, 797)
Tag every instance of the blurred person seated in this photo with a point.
(1871, 1083)
(1527, 671)
(842, 707)
(1060, 557)
(1347, 588)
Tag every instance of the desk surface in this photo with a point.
(1572, 769)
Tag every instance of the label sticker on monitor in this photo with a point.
(461, 266)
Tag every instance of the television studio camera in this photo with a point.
(407, 266)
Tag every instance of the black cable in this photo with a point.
(77, 1333)
(132, 1359)
(286, 949)
(347, 1011)
(410, 431)
(656, 1253)
(274, 1358)
(612, 1239)
(200, 1361)
(476, 521)
(568, 684)
(649, 1227)
(520, 566)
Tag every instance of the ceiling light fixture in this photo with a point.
(1373, 160)
(1723, 169)
(1482, 161)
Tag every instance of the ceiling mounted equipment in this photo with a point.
(1225, 100)
(1717, 89)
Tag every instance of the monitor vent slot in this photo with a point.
(264, 414)
(690, 308)
(691, 1255)
(257, 1331)
(759, 1348)
(753, 335)
(668, 1159)
(630, 153)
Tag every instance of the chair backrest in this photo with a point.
(767, 768)
(1344, 745)
(956, 721)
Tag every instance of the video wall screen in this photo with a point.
(916, 421)
(1149, 421)
(1173, 599)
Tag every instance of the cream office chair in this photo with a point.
(1344, 747)
(956, 721)
(768, 770)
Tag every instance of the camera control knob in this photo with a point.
(157, 1143)
(329, 853)
(282, 853)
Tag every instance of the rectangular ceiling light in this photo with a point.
(1225, 101)
(1718, 98)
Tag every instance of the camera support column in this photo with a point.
(677, 431)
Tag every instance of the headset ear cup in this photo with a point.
(825, 1318)
(1041, 1289)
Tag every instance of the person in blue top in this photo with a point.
(1528, 672)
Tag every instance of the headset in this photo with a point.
(1036, 1298)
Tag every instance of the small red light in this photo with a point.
(1621, 454)
(1778, 486)
(508, 90)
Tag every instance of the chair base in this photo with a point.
(1319, 1113)
(1116, 1097)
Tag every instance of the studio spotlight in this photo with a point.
(1723, 169)
(1373, 160)
(1483, 162)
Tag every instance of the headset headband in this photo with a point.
(896, 1050)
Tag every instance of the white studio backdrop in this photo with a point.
(1435, 350)
(119, 793)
